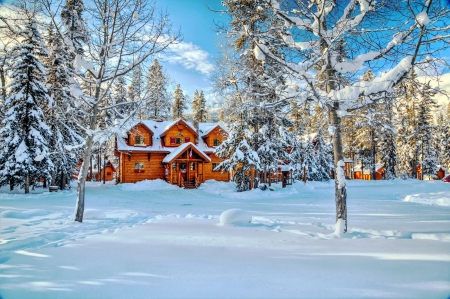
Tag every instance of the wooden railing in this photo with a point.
(197, 182)
(180, 181)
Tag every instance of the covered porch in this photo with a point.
(184, 167)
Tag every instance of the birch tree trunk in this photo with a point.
(340, 188)
(79, 208)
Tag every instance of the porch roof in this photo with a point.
(179, 150)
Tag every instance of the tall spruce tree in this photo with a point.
(199, 111)
(158, 103)
(425, 130)
(238, 155)
(136, 91)
(24, 151)
(179, 104)
(75, 31)
(59, 115)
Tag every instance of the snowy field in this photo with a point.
(155, 240)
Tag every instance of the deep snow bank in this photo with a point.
(436, 199)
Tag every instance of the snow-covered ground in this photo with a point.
(155, 240)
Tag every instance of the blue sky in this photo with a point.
(191, 62)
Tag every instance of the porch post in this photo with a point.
(170, 179)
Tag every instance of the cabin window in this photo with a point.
(217, 142)
(174, 166)
(192, 166)
(214, 165)
(179, 140)
(138, 166)
(139, 140)
(108, 173)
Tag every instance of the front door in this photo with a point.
(183, 171)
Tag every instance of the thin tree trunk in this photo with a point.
(104, 169)
(340, 193)
(79, 209)
(90, 168)
(374, 167)
(62, 184)
(27, 184)
(45, 183)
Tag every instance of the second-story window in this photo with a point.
(217, 142)
(139, 140)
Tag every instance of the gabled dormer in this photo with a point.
(212, 134)
(140, 136)
(178, 133)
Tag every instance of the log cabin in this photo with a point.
(366, 173)
(439, 174)
(174, 151)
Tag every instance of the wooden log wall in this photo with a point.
(175, 131)
(153, 168)
(140, 130)
(209, 174)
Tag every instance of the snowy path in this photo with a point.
(155, 240)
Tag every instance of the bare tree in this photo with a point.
(393, 37)
(121, 35)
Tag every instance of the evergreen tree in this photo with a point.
(425, 130)
(59, 113)
(238, 156)
(71, 14)
(272, 148)
(158, 103)
(324, 160)
(136, 91)
(200, 113)
(407, 127)
(179, 104)
(24, 152)
(120, 97)
(445, 142)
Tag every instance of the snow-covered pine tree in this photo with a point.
(136, 91)
(158, 104)
(75, 31)
(427, 106)
(179, 104)
(199, 111)
(407, 133)
(238, 155)
(324, 160)
(386, 136)
(194, 107)
(272, 148)
(24, 152)
(309, 161)
(445, 142)
(120, 98)
(437, 137)
(59, 115)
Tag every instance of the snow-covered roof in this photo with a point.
(158, 128)
(206, 128)
(178, 150)
(347, 160)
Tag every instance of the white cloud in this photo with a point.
(190, 56)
